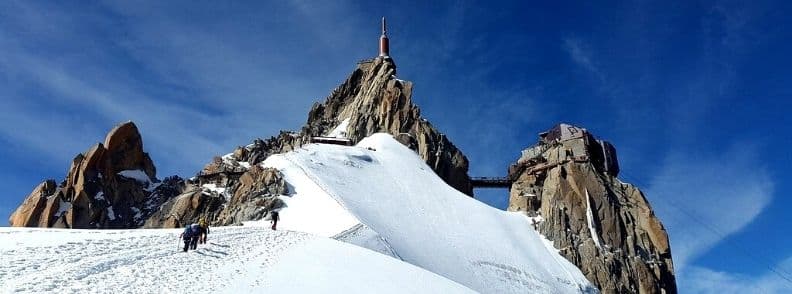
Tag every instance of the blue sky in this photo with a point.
(694, 95)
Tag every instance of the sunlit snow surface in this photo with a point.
(378, 195)
(236, 260)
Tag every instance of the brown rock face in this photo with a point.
(371, 100)
(30, 212)
(112, 185)
(251, 196)
(604, 226)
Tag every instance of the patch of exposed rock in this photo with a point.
(568, 183)
(112, 185)
(251, 196)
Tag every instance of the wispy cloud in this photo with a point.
(704, 280)
(581, 55)
(717, 192)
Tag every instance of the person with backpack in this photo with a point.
(187, 237)
(204, 230)
(195, 234)
(274, 217)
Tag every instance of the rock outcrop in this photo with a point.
(568, 184)
(373, 100)
(250, 197)
(112, 185)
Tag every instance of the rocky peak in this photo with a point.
(112, 185)
(567, 183)
(370, 100)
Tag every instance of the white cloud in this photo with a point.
(694, 194)
(703, 280)
(581, 55)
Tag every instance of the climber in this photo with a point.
(190, 236)
(204, 230)
(274, 217)
(195, 234)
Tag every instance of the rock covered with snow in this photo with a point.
(112, 185)
(604, 226)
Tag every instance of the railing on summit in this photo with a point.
(332, 140)
(490, 182)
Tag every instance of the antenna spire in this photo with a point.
(384, 43)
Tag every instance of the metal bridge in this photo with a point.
(490, 182)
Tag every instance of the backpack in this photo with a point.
(195, 229)
(187, 232)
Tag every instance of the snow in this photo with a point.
(63, 206)
(590, 219)
(325, 268)
(428, 223)
(365, 237)
(230, 159)
(137, 175)
(308, 207)
(340, 131)
(138, 214)
(214, 188)
(235, 260)
(228, 156)
(110, 213)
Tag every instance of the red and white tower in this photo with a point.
(384, 43)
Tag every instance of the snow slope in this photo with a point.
(236, 260)
(390, 190)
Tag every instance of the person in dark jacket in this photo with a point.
(274, 218)
(187, 237)
(195, 231)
